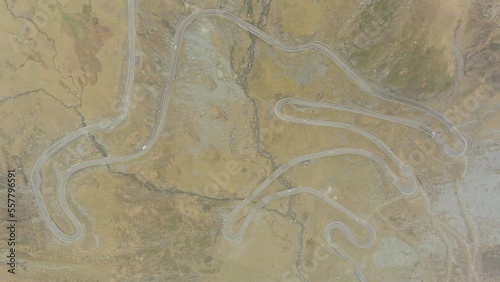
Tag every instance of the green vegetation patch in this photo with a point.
(421, 71)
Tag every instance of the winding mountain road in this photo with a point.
(408, 189)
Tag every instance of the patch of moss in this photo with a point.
(77, 24)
